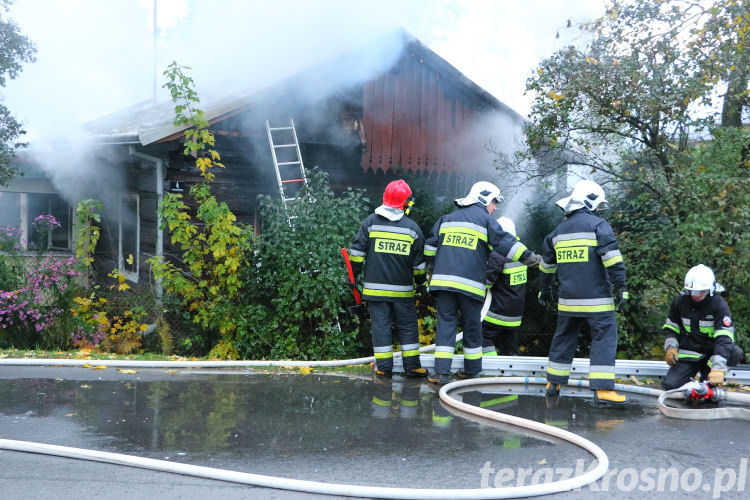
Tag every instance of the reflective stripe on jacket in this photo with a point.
(392, 254)
(460, 244)
(507, 280)
(704, 327)
(583, 252)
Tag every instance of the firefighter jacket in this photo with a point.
(700, 329)
(460, 244)
(583, 252)
(507, 280)
(392, 254)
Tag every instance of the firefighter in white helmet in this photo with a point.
(506, 281)
(458, 249)
(583, 253)
(699, 332)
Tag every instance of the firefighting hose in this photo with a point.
(691, 391)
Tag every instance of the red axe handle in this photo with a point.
(350, 272)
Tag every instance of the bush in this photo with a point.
(293, 289)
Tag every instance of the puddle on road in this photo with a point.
(316, 426)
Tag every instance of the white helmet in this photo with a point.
(507, 225)
(483, 192)
(701, 278)
(586, 194)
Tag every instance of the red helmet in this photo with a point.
(396, 194)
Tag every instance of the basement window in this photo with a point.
(129, 236)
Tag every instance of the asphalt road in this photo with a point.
(333, 428)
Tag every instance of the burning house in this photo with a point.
(404, 108)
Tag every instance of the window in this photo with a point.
(20, 209)
(129, 236)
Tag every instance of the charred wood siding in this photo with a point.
(418, 120)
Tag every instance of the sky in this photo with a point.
(97, 56)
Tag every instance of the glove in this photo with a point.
(530, 259)
(545, 297)
(621, 299)
(716, 377)
(671, 356)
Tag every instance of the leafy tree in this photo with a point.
(629, 106)
(15, 49)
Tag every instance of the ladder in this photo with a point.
(287, 162)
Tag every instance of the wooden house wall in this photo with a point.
(418, 120)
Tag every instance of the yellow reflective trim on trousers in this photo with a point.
(463, 230)
(391, 236)
(490, 353)
(501, 322)
(512, 443)
(576, 243)
(599, 308)
(558, 372)
(356, 259)
(411, 352)
(439, 419)
(614, 260)
(497, 401)
(380, 402)
(602, 375)
(383, 355)
(475, 355)
(548, 270)
(386, 293)
(444, 355)
(458, 286)
(419, 272)
(691, 356)
(430, 253)
(409, 403)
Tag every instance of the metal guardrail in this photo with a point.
(536, 366)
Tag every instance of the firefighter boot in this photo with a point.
(604, 397)
(439, 378)
(552, 395)
(463, 375)
(416, 373)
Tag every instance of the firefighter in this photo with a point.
(582, 251)
(506, 281)
(389, 245)
(459, 247)
(699, 332)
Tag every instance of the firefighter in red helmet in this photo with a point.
(389, 246)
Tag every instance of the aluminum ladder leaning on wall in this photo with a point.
(282, 140)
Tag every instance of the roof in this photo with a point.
(148, 123)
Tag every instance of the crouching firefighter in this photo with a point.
(582, 251)
(389, 245)
(459, 246)
(699, 332)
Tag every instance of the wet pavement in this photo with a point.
(340, 428)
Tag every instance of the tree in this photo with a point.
(633, 106)
(15, 49)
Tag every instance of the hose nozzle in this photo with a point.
(702, 391)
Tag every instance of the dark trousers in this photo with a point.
(448, 306)
(503, 338)
(686, 368)
(383, 314)
(603, 349)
